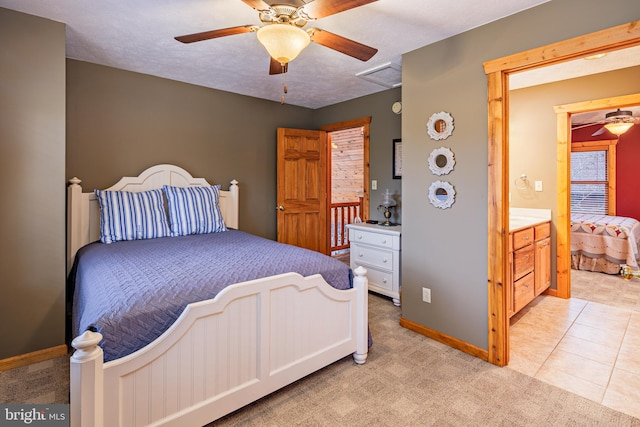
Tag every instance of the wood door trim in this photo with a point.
(563, 154)
(498, 71)
(348, 124)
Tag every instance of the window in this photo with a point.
(593, 177)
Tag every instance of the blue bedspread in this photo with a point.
(132, 291)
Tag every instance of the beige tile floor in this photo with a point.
(588, 348)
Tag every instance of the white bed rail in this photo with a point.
(222, 354)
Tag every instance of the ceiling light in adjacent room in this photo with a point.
(283, 41)
(619, 121)
(618, 128)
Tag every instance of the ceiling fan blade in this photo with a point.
(342, 44)
(277, 68)
(585, 125)
(207, 35)
(321, 8)
(599, 131)
(258, 5)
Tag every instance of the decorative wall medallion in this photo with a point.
(441, 161)
(441, 194)
(440, 125)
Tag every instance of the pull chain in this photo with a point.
(284, 83)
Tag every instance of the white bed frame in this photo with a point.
(252, 339)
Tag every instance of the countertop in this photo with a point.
(520, 218)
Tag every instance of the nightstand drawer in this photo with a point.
(380, 279)
(372, 256)
(381, 240)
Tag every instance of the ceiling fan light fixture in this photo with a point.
(618, 128)
(283, 41)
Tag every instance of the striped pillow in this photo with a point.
(127, 215)
(194, 210)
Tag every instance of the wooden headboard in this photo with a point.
(83, 211)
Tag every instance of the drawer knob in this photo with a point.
(384, 241)
(384, 280)
(526, 237)
(360, 237)
(384, 260)
(360, 254)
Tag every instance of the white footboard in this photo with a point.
(222, 354)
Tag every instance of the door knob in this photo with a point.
(280, 208)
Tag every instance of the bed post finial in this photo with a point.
(233, 206)
(87, 381)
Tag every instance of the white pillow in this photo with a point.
(194, 210)
(128, 215)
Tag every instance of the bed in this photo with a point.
(603, 243)
(220, 344)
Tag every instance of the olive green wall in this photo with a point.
(384, 128)
(533, 130)
(32, 213)
(119, 123)
(446, 250)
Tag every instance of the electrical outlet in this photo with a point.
(538, 185)
(374, 184)
(426, 295)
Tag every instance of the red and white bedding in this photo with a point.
(613, 238)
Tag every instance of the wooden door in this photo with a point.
(303, 188)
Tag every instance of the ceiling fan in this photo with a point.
(282, 34)
(616, 122)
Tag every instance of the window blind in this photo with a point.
(589, 182)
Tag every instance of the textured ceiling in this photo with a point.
(138, 35)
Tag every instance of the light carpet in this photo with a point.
(408, 380)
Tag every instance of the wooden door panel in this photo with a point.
(300, 228)
(290, 226)
(312, 225)
(302, 189)
(312, 187)
(290, 186)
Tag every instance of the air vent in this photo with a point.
(388, 75)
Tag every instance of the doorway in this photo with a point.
(498, 71)
(349, 187)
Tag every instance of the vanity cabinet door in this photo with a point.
(543, 265)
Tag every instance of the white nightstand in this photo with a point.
(377, 248)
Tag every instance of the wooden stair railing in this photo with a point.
(341, 215)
